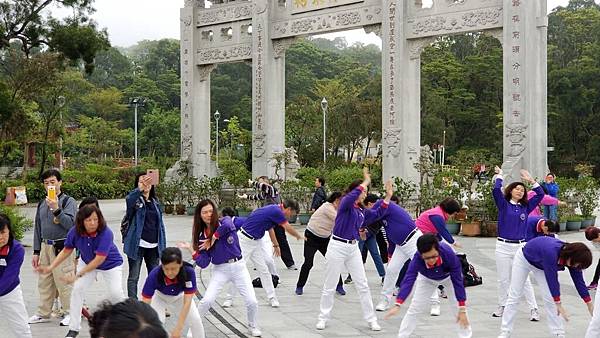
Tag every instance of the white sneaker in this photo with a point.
(228, 303)
(499, 312)
(38, 319)
(65, 321)
(274, 302)
(321, 324)
(534, 315)
(435, 310)
(255, 332)
(383, 304)
(504, 334)
(374, 326)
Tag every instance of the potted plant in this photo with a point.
(574, 222)
(453, 226)
(588, 191)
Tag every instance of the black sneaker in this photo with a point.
(348, 280)
(72, 333)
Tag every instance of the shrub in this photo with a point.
(339, 179)
(307, 176)
(19, 223)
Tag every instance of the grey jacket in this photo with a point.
(44, 221)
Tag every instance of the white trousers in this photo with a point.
(113, 280)
(161, 302)
(399, 257)
(12, 308)
(505, 254)
(520, 275)
(252, 250)
(338, 256)
(424, 287)
(267, 249)
(236, 273)
(593, 330)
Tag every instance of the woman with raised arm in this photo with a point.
(513, 209)
(342, 250)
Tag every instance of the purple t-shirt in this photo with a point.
(167, 286)
(225, 247)
(97, 244)
(543, 253)
(264, 219)
(447, 265)
(11, 259)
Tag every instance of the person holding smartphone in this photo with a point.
(54, 217)
(145, 237)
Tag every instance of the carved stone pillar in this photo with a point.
(195, 99)
(525, 107)
(268, 91)
(401, 96)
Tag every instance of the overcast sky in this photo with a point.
(129, 21)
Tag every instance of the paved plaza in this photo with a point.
(297, 315)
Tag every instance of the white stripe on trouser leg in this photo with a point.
(252, 251)
(505, 253)
(399, 257)
(423, 289)
(341, 255)
(520, 274)
(593, 330)
(112, 279)
(161, 302)
(14, 313)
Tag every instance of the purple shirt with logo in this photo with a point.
(167, 286)
(512, 218)
(226, 245)
(97, 244)
(11, 259)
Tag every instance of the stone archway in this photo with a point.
(260, 31)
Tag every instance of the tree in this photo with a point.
(32, 24)
(106, 103)
(160, 133)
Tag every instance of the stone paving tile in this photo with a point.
(298, 314)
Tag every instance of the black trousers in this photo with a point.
(312, 244)
(284, 246)
(596, 273)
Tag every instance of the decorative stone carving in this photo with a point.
(417, 46)
(454, 23)
(259, 143)
(327, 22)
(373, 29)
(190, 3)
(281, 45)
(516, 135)
(224, 54)
(204, 71)
(392, 140)
(225, 14)
(291, 165)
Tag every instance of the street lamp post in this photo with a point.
(324, 105)
(136, 102)
(217, 116)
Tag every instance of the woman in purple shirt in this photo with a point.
(216, 241)
(513, 209)
(544, 257)
(434, 264)
(12, 306)
(99, 255)
(342, 250)
(172, 285)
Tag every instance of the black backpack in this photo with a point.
(470, 277)
(258, 284)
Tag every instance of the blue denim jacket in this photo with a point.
(131, 242)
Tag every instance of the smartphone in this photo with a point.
(153, 174)
(52, 192)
